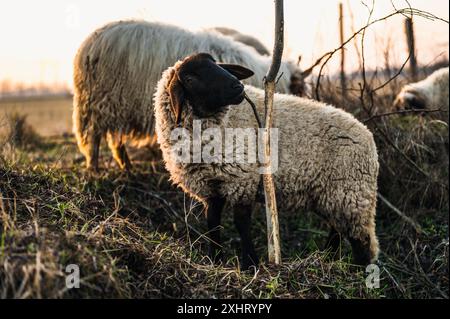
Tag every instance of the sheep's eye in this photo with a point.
(189, 79)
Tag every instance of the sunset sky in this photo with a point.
(40, 38)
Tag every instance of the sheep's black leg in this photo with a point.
(118, 150)
(361, 251)
(96, 139)
(333, 242)
(242, 220)
(213, 213)
(125, 159)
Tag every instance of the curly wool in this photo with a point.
(327, 160)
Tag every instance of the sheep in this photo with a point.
(328, 160)
(118, 66)
(430, 93)
(243, 38)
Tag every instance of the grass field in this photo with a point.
(136, 236)
(48, 116)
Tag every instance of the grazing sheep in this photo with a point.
(327, 159)
(430, 93)
(118, 66)
(243, 38)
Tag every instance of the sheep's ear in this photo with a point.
(176, 94)
(237, 70)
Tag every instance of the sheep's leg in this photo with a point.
(365, 247)
(242, 220)
(93, 153)
(364, 244)
(118, 150)
(89, 145)
(361, 251)
(333, 243)
(213, 214)
(88, 137)
(364, 240)
(356, 222)
(84, 147)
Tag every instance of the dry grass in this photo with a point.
(135, 236)
(414, 170)
(122, 232)
(40, 113)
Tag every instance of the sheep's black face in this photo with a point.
(211, 86)
(410, 100)
(298, 85)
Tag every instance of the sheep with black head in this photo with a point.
(327, 159)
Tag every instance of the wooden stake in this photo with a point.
(409, 30)
(341, 38)
(273, 233)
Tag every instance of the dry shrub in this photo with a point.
(19, 133)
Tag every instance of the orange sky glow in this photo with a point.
(40, 38)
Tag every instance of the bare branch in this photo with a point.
(402, 215)
(279, 43)
(255, 111)
(330, 54)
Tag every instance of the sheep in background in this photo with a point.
(243, 38)
(118, 66)
(430, 93)
(327, 159)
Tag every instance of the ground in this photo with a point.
(137, 236)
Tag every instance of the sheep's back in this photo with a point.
(318, 145)
(115, 72)
(118, 66)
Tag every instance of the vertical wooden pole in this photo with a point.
(341, 38)
(273, 232)
(409, 30)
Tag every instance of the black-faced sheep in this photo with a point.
(430, 93)
(118, 66)
(327, 160)
(243, 38)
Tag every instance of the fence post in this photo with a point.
(341, 38)
(409, 30)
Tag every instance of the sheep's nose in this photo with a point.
(237, 86)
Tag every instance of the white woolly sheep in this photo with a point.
(243, 38)
(327, 159)
(118, 66)
(430, 93)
